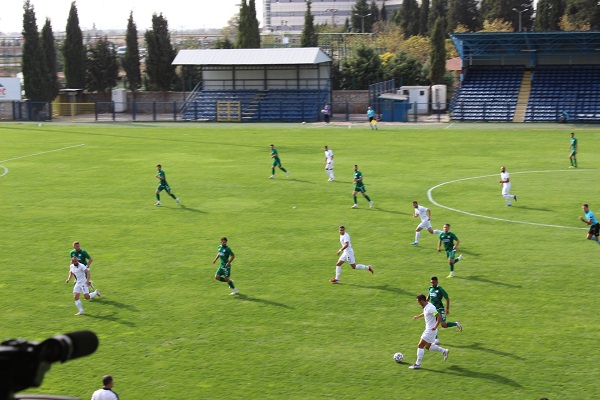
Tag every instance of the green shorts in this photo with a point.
(276, 162)
(450, 254)
(164, 187)
(223, 271)
(442, 313)
(360, 189)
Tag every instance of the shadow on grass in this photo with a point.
(479, 347)
(533, 208)
(244, 297)
(183, 207)
(299, 180)
(112, 318)
(485, 280)
(385, 288)
(118, 304)
(464, 372)
(389, 211)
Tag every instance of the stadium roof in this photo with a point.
(490, 45)
(284, 56)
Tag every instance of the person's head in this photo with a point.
(502, 169)
(107, 381)
(369, 108)
(272, 146)
(76, 246)
(75, 261)
(434, 281)
(422, 300)
(446, 228)
(415, 204)
(326, 148)
(585, 208)
(342, 229)
(572, 134)
(224, 241)
(158, 167)
(355, 167)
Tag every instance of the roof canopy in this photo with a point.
(284, 56)
(490, 45)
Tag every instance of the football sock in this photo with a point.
(575, 161)
(222, 279)
(172, 195)
(78, 305)
(456, 260)
(355, 200)
(451, 324)
(451, 267)
(368, 198)
(93, 294)
(435, 347)
(571, 159)
(231, 285)
(157, 196)
(361, 266)
(283, 169)
(417, 236)
(420, 353)
(331, 174)
(437, 231)
(338, 272)
(273, 171)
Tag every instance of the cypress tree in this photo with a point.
(35, 73)
(49, 49)
(131, 61)
(309, 36)
(437, 58)
(102, 69)
(159, 68)
(74, 52)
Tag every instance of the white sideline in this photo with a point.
(35, 154)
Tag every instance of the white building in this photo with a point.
(287, 16)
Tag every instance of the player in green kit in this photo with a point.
(435, 295)
(163, 185)
(573, 151)
(448, 238)
(276, 162)
(359, 186)
(224, 252)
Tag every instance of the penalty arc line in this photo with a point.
(35, 154)
(430, 196)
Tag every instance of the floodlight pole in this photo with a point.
(363, 20)
(520, 13)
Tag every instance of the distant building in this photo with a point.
(287, 16)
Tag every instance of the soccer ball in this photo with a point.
(398, 357)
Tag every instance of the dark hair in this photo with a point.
(448, 225)
(224, 238)
(434, 278)
(106, 379)
(585, 205)
(421, 297)
(342, 227)
(158, 165)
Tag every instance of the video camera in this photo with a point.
(23, 364)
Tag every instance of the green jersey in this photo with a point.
(436, 296)
(448, 240)
(224, 253)
(274, 154)
(162, 180)
(82, 256)
(358, 179)
(573, 144)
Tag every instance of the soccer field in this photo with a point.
(168, 330)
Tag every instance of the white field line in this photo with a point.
(35, 154)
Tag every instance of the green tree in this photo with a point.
(254, 39)
(465, 13)
(438, 11)
(580, 13)
(223, 43)
(405, 69)
(49, 51)
(35, 71)
(131, 60)
(375, 14)
(424, 18)
(511, 11)
(309, 36)
(408, 18)
(361, 69)
(437, 57)
(74, 52)
(248, 35)
(102, 67)
(160, 71)
(383, 14)
(548, 13)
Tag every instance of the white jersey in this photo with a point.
(104, 394)
(345, 238)
(429, 313)
(79, 272)
(329, 155)
(422, 213)
(505, 176)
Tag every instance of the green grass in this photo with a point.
(525, 292)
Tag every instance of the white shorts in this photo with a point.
(505, 189)
(429, 335)
(329, 165)
(425, 225)
(347, 256)
(81, 287)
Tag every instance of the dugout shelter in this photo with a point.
(528, 77)
(287, 84)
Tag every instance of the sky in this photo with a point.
(113, 14)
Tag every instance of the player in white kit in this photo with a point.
(425, 214)
(505, 182)
(82, 280)
(329, 163)
(347, 254)
(432, 321)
